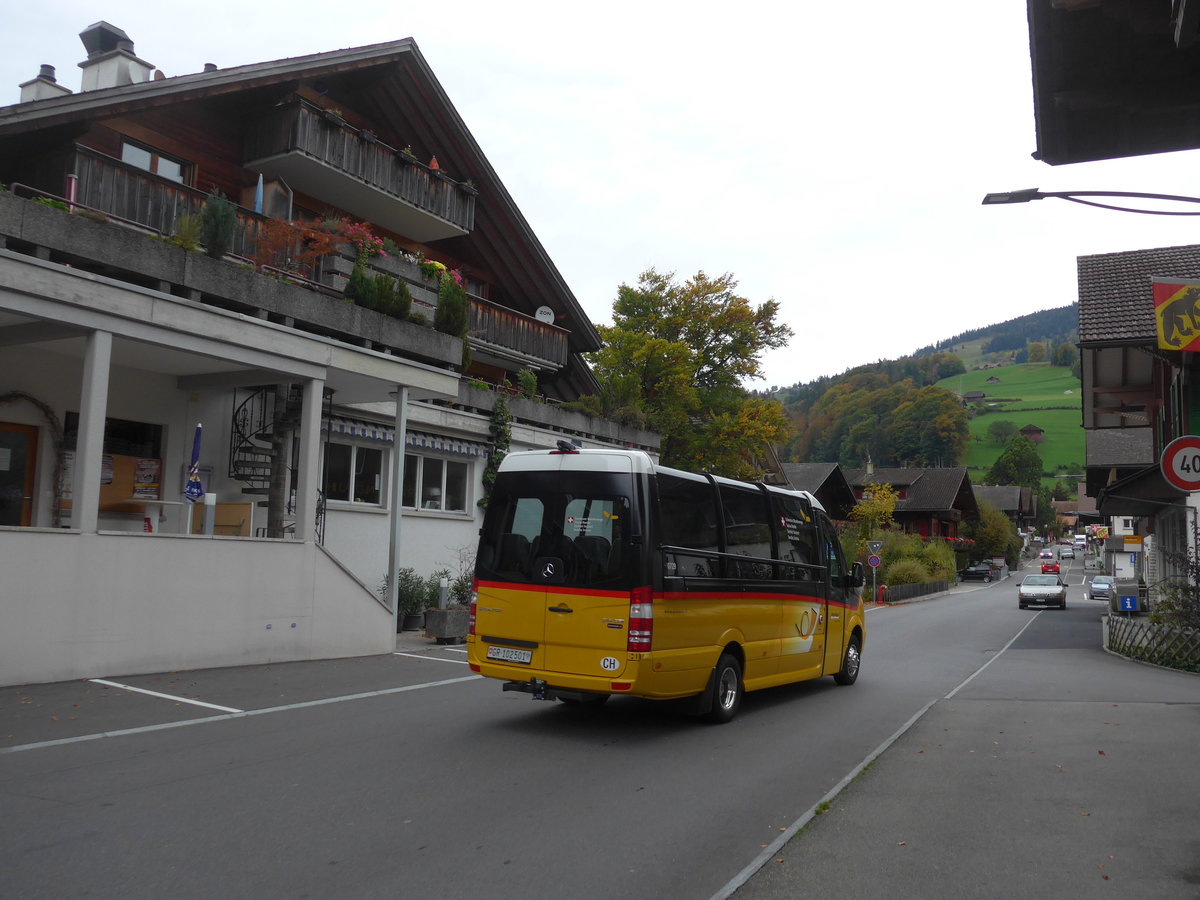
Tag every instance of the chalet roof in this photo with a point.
(1033, 428)
(826, 482)
(1115, 301)
(1005, 497)
(925, 489)
(393, 86)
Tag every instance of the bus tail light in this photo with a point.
(474, 604)
(641, 620)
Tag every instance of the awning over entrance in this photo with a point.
(416, 440)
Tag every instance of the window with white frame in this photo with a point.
(432, 482)
(154, 161)
(353, 474)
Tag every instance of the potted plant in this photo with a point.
(448, 624)
(411, 598)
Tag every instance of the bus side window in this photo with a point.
(746, 532)
(687, 512)
(797, 538)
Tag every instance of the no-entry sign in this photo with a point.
(1180, 462)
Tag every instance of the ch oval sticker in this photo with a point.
(610, 664)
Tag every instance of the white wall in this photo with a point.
(89, 605)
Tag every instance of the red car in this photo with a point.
(1050, 568)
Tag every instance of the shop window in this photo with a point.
(153, 161)
(353, 474)
(431, 482)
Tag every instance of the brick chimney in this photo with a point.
(43, 87)
(111, 61)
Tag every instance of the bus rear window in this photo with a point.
(577, 521)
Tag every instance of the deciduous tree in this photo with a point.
(686, 348)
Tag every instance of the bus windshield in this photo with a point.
(568, 529)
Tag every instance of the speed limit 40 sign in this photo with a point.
(1180, 463)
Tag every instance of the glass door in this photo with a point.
(18, 456)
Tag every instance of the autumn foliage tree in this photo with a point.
(675, 358)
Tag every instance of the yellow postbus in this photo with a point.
(600, 572)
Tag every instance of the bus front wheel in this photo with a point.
(726, 690)
(850, 663)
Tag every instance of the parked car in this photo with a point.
(1043, 590)
(1102, 587)
(1067, 553)
(977, 572)
(1050, 567)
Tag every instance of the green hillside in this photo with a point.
(1029, 394)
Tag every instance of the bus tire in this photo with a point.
(726, 689)
(850, 662)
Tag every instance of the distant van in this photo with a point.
(600, 572)
(1080, 541)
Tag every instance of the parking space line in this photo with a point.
(163, 726)
(457, 662)
(129, 687)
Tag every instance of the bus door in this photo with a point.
(802, 582)
(553, 572)
(840, 597)
(587, 599)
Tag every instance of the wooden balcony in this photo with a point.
(142, 198)
(319, 154)
(514, 336)
(510, 338)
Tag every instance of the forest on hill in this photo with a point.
(893, 413)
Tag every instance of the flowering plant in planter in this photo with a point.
(431, 269)
(364, 240)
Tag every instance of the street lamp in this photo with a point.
(1076, 197)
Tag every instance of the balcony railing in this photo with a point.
(318, 153)
(143, 198)
(503, 331)
(157, 204)
(501, 327)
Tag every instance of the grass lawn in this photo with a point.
(1032, 394)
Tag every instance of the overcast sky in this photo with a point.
(832, 156)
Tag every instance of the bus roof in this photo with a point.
(635, 462)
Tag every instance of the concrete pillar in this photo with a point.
(89, 446)
(395, 504)
(308, 474)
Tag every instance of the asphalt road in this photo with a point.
(403, 776)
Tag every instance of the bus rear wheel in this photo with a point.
(726, 689)
(850, 663)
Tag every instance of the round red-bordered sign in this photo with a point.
(1180, 462)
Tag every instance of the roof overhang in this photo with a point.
(1144, 493)
(1114, 78)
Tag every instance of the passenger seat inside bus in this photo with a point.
(595, 550)
(514, 556)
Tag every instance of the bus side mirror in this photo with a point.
(857, 577)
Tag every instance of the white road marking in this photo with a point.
(237, 715)
(457, 662)
(129, 687)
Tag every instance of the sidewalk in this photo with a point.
(1056, 773)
